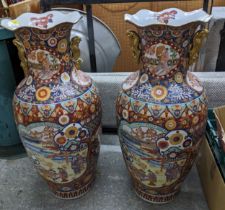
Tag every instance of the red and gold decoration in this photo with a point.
(57, 107)
(162, 108)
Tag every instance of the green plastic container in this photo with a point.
(9, 139)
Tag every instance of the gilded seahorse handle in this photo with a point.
(22, 56)
(135, 45)
(196, 46)
(74, 45)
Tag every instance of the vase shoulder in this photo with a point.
(63, 87)
(180, 89)
(171, 17)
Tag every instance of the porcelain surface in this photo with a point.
(41, 21)
(57, 107)
(171, 17)
(162, 108)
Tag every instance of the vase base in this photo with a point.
(74, 194)
(156, 199)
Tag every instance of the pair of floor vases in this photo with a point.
(161, 109)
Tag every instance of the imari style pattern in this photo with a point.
(57, 107)
(162, 108)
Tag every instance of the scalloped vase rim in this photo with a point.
(42, 21)
(170, 17)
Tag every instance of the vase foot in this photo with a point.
(156, 199)
(74, 194)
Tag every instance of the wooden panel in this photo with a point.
(185, 5)
(219, 3)
(211, 179)
(24, 6)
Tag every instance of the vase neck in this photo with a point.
(46, 50)
(165, 49)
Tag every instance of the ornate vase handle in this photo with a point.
(135, 45)
(196, 46)
(22, 56)
(74, 45)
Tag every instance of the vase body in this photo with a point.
(57, 108)
(161, 110)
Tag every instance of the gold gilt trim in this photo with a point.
(135, 45)
(196, 46)
(74, 45)
(22, 56)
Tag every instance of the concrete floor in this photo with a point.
(21, 188)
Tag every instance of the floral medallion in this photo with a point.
(159, 92)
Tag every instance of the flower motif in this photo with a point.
(171, 124)
(65, 77)
(62, 46)
(159, 92)
(176, 138)
(43, 94)
(71, 137)
(52, 42)
(163, 144)
(71, 132)
(178, 77)
(173, 143)
(66, 58)
(125, 114)
(64, 119)
(61, 140)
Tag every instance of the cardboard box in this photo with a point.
(220, 124)
(212, 181)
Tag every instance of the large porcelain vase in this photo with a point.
(57, 107)
(162, 108)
